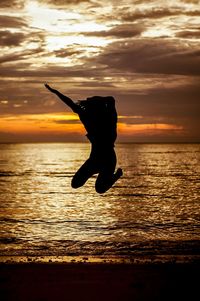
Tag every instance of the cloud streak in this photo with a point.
(11, 22)
(12, 4)
(119, 31)
(10, 39)
(152, 56)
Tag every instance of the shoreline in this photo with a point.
(40, 281)
(101, 259)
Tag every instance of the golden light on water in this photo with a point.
(43, 215)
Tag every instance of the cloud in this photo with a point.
(11, 22)
(193, 13)
(188, 34)
(191, 1)
(10, 39)
(67, 121)
(154, 13)
(64, 2)
(25, 70)
(156, 56)
(119, 31)
(176, 104)
(12, 3)
(17, 56)
(66, 52)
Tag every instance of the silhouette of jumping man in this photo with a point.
(99, 117)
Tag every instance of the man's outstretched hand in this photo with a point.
(49, 88)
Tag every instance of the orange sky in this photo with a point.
(144, 53)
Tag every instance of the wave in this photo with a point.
(76, 248)
(34, 173)
(15, 173)
(41, 221)
(120, 226)
(9, 240)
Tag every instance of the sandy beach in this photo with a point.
(98, 281)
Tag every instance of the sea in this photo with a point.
(152, 211)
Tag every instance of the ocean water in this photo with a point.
(154, 209)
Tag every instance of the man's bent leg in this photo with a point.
(105, 181)
(83, 174)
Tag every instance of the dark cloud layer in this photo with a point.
(17, 56)
(11, 3)
(24, 70)
(11, 22)
(154, 13)
(191, 1)
(10, 39)
(152, 56)
(120, 31)
(63, 2)
(188, 34)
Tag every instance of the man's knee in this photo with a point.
(76, 183)
(101, 186)
(101, 189)
(80, 178)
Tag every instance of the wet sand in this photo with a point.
(98, 281)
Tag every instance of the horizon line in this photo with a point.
(85, 142)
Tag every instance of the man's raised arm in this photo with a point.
(68, 101)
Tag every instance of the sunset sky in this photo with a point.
(144, 53)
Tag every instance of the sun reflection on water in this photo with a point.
(156, 200)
